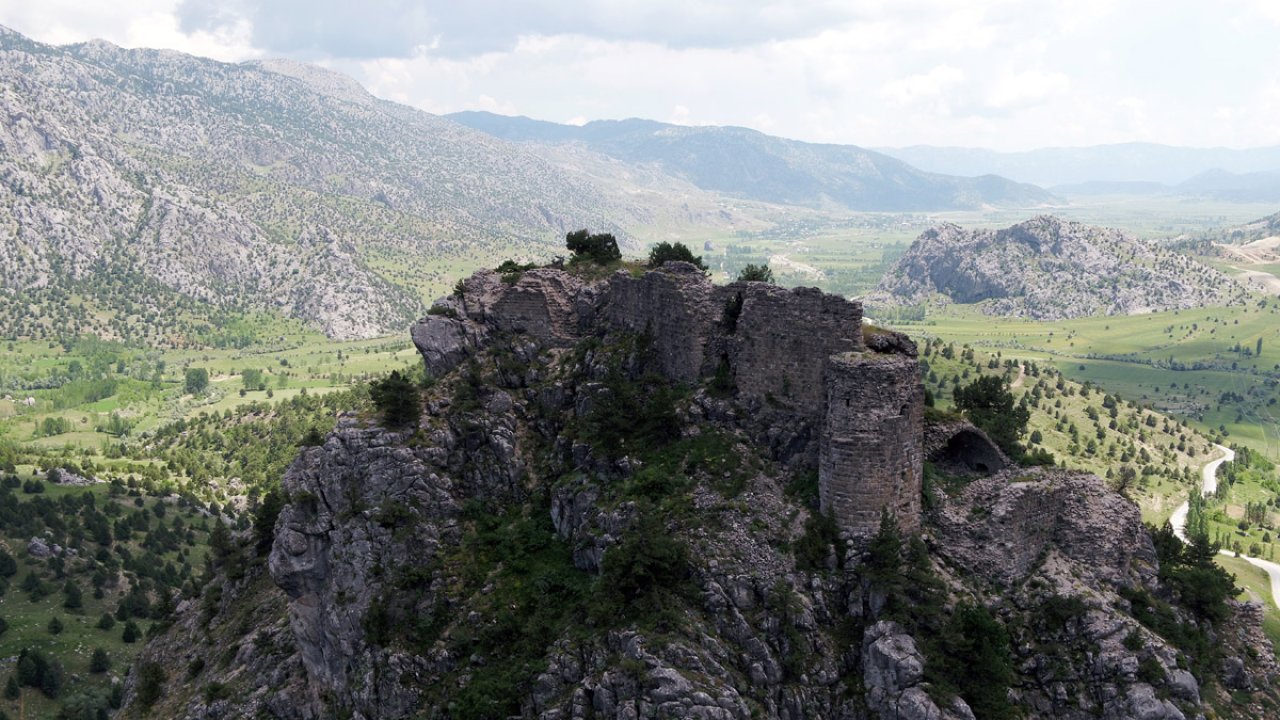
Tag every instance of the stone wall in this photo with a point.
(541, 303)
(778, 347)
(675, 305)
(872, 443)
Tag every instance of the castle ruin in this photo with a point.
(794, 357)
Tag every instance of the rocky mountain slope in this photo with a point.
(1266, 228)
(610, 508)
(1048, 268)
(264, 184)
(749, 164)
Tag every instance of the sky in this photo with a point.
(1000, 74)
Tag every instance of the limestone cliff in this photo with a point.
(610, 508)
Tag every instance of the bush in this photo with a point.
(100, 662)
(665, 252)
(131, 632)
(601, 248)
(975, 661)
(756, 273)
(151, 679)
(264, 521)
(396, 397)
(814, 547)
(643, 572)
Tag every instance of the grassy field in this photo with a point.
(1254, 585)
(1201, 364)
(148, 391)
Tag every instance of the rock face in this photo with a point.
(330, 564)
(504, 558)
(1049, 269)
(1028, 512)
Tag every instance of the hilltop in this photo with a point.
(1048, 268)
(750, 164)
(647, 496)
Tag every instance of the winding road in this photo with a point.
(1209, 485)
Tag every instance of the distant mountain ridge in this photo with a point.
(749, 164)
(1049, 269)
(267, 184)
(1118, 163)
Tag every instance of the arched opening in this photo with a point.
(969, 452)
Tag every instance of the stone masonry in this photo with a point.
(872, 455)
(798, 355)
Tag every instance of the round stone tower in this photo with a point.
(871, 457)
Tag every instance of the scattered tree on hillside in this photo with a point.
(197, 380)
(989, 404)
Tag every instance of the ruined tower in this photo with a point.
(871, 456)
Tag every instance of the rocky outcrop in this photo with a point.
(894, 676)
(501, 559)
(363, 511)
(1049, 269)
(1001, 528)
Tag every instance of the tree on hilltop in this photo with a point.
(601, 248)
(398, 398)
(665, 252)
(756, 273)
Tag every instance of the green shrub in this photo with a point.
(756, 273)
(151, 680)
(812, 548)
(600, 248)
(665, 252)
(398, 399)
(644, 575)
(972, 657)
(100, 661)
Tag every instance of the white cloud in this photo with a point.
(932, 87)
(1012, 90)
(1000, 73)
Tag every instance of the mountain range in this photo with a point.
(281, 186)
(745, 163)
(1248, 175)
(271, 185)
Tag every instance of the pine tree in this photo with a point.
(100, 662)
